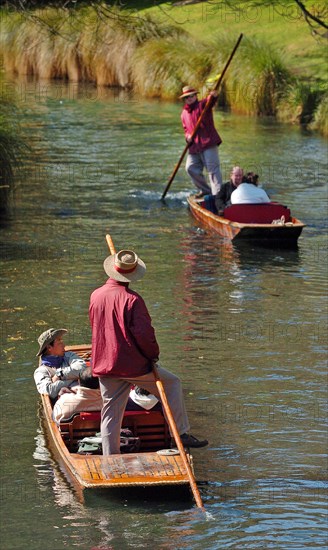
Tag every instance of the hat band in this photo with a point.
(120, 270)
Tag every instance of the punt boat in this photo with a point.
(269, 224)
(154, 465)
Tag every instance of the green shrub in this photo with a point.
(12, 147)
(320, 121)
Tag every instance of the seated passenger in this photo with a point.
(248, 193)
(251, 177)
(222, 198)
(84, 397)
(59, 370)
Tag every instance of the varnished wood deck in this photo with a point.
(128, 470)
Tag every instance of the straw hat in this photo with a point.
(188, 90)
(49, 336)
(125, 266)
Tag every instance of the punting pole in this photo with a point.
(170, 418)
(199, 121)
(177, 438)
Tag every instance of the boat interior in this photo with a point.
(149, 426)
(250, 213)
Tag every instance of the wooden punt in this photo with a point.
(263, 234)
(152, 466)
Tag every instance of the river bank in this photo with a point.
(154, 56)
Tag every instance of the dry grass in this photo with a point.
(117, 48)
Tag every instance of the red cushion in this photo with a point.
(90, 415)
(256, 213)
(95, 415)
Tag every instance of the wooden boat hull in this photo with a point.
(285, 236)
(124, 470)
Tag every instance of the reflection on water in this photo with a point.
(244, 328)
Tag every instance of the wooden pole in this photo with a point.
(170, 417)
(199, 121)
(177, 438)
(110, 244)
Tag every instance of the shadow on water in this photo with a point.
(164, 499)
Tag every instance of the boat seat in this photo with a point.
(257, 213)
(149, 426)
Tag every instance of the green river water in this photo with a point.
(245, 329)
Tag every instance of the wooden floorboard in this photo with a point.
(129, 469)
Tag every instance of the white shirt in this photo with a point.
(247, 193)
(147, 402)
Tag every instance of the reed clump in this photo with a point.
(298, 103)
(12, 149)
(79, 45)
(162, 67)
(256, 79)
(320, 120)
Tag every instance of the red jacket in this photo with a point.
(123, 339)
(207, 135)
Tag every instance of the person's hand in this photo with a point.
(188, 138)
(214, 93)
(154, 362)
(55, 378)
(65, 390)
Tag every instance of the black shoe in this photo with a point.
(189, 440)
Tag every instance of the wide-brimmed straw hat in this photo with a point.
(125, 266)
(49, 336)
(188, 90)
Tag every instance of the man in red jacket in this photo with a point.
(203, 149)
(124, 348)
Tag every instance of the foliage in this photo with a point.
(162, 67)
(12, 147)
(256, 78)
(320, 121)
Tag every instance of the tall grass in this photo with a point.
(133, 51)
(256, 78)
(162, 67)
(320, 121)
(12, 147)
(298, 103)
(77, 45)
(118, 48)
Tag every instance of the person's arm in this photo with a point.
(72, 367)
(142, 330)
(186, 126)
(44, 383)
